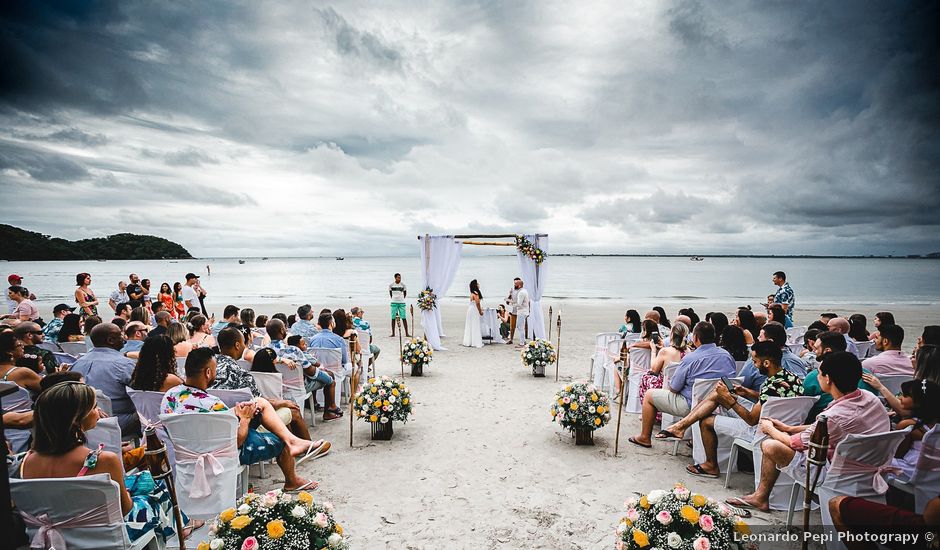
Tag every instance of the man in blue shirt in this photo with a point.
(707, 361)
(784, 296)
(304, 325)
(105, 368)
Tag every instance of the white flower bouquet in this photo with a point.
(276, 520)
(678, 520)
(581, 407)
(417, 351)
(383, 400)
(538, 354)
(427, 299)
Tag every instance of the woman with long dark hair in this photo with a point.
(85, 296)
(166, 298)
(179, 306)
(473, 329)
(881, 318)
(663, 319)
(156, 366)
(718, 320)
(631, 322)
(858, 327)
(777, 315)
(744, 319)
(733, 341)
(71, 330)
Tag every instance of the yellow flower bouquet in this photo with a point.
(278, 521)
(581, 408)
(381, 401)
(417, 353)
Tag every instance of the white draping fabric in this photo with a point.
(205, 464)
(534, 277)
(48, 536)
(437, 273)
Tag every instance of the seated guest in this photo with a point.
(852, 411)
(162, 320)
(90, 323)
(760, 319)
(859, 516)
(201, 332)
(707, 361)
(673, 353)
(72, 329)
(141, 315)
(156, 366)
(34, 357)
(631, 322)
(156, 307)
(11, 351)
(891, 360)
(661, 322)
(777, 315)
(826, 317)
(818, 325)
(881, 318)
(732, 340)
(689, 314)
(684, 319)
(123, 311)
(25, 309)
(922, 398)
(229, 317)
(343, 327)
(927, 367)
(650, 337)
(808, 353)
(720, 322)
(361, 324)
(304, 326)
(773, 332)
(107, 369)
(841, 326)
(315, 378)
(135, 332)
(744, 319)
(51, 330)
(180, 337)
(778, 382)
(62, 416)
(858, 327)
(826, 344)
(255, 446)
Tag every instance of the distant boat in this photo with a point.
(265, 258)
(102, 260)
(241, 261)
(697, 258)
(340, 258)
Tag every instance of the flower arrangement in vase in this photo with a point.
(382, 401)
(417, 352)
(276, 521)
(581, 408)
(538, 354)
(679, 520)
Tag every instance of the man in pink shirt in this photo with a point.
(852, 411)
(891, 360)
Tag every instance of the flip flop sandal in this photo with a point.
(666, 434)
(635, 442)
(741, 512)
(309, 454)
(739, 502)
(309, 486)
(697, 470)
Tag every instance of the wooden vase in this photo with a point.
(382, 432)
(417, 369)
(583, 436)
(538, 371)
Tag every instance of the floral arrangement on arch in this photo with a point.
(581, 407)
(417, 351)
(383, 400)
(678, 520)
(538, 352)
(427, 299)
(525, 246)
(276, 520)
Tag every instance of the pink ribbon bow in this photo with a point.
(200, 487)
(48, 536)
(842, 465)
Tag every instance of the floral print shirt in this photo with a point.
(229, 376)
(184, 399)
(782, 384)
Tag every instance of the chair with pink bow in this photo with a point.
(640, 361)
(207, 465)
(857, 469)
(924, 483)
(108, 432)
(75, 513)
(599, 373)
(18, 401)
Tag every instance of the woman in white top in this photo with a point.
(473, 332)
(201, 329)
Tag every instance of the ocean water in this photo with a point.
(634, 282)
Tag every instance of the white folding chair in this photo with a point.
(75, 349)
(892, 382)
(244, 364)
(232, 397)
(104, 402)
(293, 387)
(181, 367)
(640, 360)
(257, 342)
(20, 401)
(924, 483)
(738, 365)
(107, 431)
(64, 358)
(49, 346)
(93, 501)
(855, 471)
(202, 440)
(795, 334)
(700, 390)
(270, 384)
(789, 410)
(599, 359)
(331, 359)
(365, 351)
(668, 372)
(864, 349)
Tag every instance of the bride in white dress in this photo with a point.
(472, 332)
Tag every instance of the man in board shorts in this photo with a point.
(398, 292)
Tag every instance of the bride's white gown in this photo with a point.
(472, 332)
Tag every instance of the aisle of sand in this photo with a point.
(481, 465)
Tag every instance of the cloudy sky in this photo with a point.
(306, 128)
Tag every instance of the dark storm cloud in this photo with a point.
(189, 156)
(351, 41)
(41, 165)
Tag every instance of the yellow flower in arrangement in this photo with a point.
(276, 529)
(561, 402)
(373, 419)
(250, 497)
(601, 410)
(404, 401)
(339, 528)
(640, 538)
(597, 421)
(372, 380)
(373, 390)
(227, 515)
(594, 397)
(574, 406)
(644, 502)
(689, 514)
(395, 392)
(305, 497)
(699, 500)
(361, 400)
(203, 546)
(387, 403)
(240, 522)
(742, 527)
(567, 388)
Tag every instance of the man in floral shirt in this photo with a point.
(52, 328)
(784, 296)
(254, 446)
(743, 414)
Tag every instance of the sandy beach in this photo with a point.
(482, 466)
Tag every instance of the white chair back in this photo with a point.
(601, 372)
(854, 468)
(232, 397)
(668, 373)
(20, 401)
(206, 461)
(795, 334)
(892, 382)
(107, 431)
(181, 367)
(75, 349)
(93, 501)
(789, 410)
(864, 349)
(292, 384)
(244, 364)
(330, 359)
(270, 384)
(147, 404)
(640, 361)
(64, 358)
(738, 365)
(257, 341)
(365, 338)
(49, 346)
(926, 476)
(104, 402)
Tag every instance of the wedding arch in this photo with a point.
(440, 257)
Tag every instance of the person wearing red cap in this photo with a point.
(15, 280)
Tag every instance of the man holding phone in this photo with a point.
(779, 383)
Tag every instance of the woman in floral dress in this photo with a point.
(662, 356)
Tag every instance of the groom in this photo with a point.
(518, 300)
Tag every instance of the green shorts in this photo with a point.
(399, 310)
